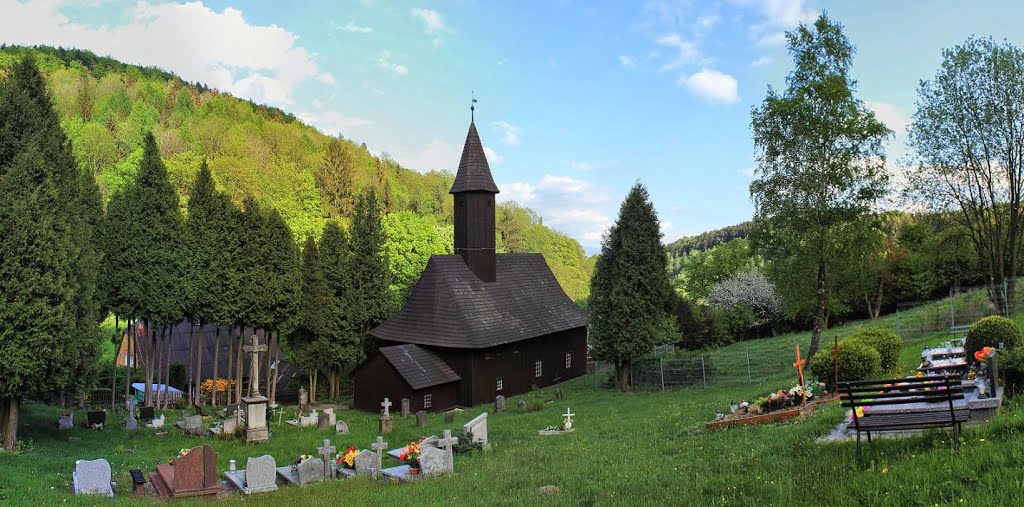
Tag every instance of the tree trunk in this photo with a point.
(3, 420)
(240, 372)
(268, 362)
(199, 366)
(113, 367)
(191, 364)
(819, 311)
(216, 358)
(277, 365)
(622, 383)
(10, 418)
(159, 365)
(130, 361)
(229, 393)
(168, 337)
(149, 364)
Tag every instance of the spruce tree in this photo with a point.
(42, 304)
(370, 273)
(283, 274)
(202, 248)
(346, 345)
(313, 324)
(160, 229)
(630, 293)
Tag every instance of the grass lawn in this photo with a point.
(636, 449)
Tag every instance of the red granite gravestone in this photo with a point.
(194, 474)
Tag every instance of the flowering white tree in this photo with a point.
(751, 289)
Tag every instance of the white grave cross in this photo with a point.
(568, 419)
(386, 404)
(254, 368)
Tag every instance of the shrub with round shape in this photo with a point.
(857, 361)
(990, 332)
(885, 341)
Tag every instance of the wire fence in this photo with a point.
(758, 361)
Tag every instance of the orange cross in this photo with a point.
(799, 365)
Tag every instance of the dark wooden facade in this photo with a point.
(378, 379)
(499, 323)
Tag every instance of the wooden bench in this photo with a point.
(927, 403)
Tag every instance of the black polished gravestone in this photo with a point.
(147, 414)
(96, 419)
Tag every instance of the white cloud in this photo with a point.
(574, 206)
(711, 85)
(708, 21)
(892, 116)
(332, 123)
(511, 133)
(435, 155)
(523, 193)
(263, 63)
(352, 27)
(492, 156)
(666, 228)
(432, 20)
(764, 60)
(384, 62)
(597, 164)
(686, 52)
(747, 172)
(777, 16)
(772, 39)
(626, 61)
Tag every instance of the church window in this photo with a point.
(568, 360)
(499, 384)
(487, 356)
(428, 400)
(538, 369)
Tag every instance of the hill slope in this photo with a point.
(680, 248)
(106, 107)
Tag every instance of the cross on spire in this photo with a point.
(472, 106)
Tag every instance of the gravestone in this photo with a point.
(478, 428)
(327, 450)
(558, 393)
(92, 478)
(331, 416)
(421, 418)
(303, 401)
(385, 417)
(366, 462)
(259, 476)
(96, 419)
(256, 429)
(194, 474)
(499, 404)
(147, 413)
(521, 404)
(131, 423)
(310, 471)
(341, 428)
(66, 421)
(449, 417)
(405, 407)
(434, 461)
(192, 424)
(233, 409)
(157, 423)
(138, 482)
(324, 422)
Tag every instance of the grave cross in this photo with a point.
(379, 446)
(448, 441)
(254, 369)
(799, 365)
(386, 404)
(568, 419)
(326, 451)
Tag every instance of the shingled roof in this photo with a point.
(451, 307)
(419, 367)
(474, 174)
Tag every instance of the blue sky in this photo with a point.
(577, 100)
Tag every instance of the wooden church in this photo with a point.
(477, 324)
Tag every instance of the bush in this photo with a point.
(1011, 368)
(990, 332)
(857, 361)
(885, 341)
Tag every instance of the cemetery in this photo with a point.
(239, 354)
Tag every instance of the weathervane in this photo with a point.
(472, 106)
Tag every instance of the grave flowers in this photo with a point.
(984, 353)
(347, 459)
(181, 454)
(302, 458)
(411, 456)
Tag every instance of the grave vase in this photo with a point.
(414, 471)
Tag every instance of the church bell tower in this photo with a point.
(474, 192)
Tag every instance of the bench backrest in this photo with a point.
(901, 391)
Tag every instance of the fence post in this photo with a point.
(703, 372)
(746, 350)
(952, 314)
(661, 365)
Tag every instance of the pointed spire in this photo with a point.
(474, 174)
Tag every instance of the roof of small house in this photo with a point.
(419, 367)
(450, 307)
(474, 175)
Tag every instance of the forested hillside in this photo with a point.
(107, 107)
(679, 249)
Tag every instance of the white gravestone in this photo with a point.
(478, 428)
(92, 478)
